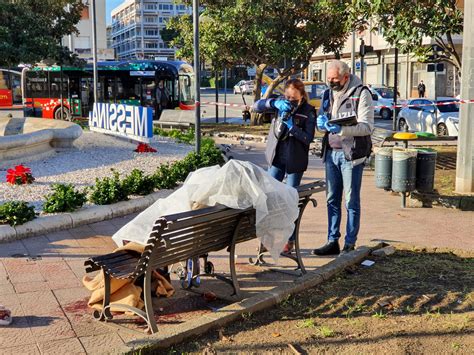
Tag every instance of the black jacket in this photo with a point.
(290, 153)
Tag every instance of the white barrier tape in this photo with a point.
(461, 101)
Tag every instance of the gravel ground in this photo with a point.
(93, 157)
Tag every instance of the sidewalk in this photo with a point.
(40, 278)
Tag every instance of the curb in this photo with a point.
(49, 224)
(255, 303)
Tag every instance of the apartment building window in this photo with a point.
(149, 19)
(165, 7)
(150, 6)
(151, 45)
(151, 32)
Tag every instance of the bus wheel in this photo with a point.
(66, 116)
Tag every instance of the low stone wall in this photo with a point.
(27, 137)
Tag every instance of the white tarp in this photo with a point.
(237, 184)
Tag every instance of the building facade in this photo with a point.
(136, 26)
(81, 44)
(379, 67)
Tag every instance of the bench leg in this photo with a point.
(148, 302)
(233, 273)
(299, 260)
(105, 313)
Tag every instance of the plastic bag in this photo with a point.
(237, 184)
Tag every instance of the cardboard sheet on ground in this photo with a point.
(237, 184)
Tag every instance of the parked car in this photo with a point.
(315, 90)
(382, 96)
(244, 87)
(442, 120)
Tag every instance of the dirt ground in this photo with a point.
(412, 302)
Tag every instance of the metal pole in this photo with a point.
(465, 156)
(353, 60)
(362, 44)
(197, 74)
(94, 48)
(395, 91)
(225, 94)
(217, 95)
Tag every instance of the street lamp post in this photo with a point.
(94, 47)
(465, 156)
(197, 74)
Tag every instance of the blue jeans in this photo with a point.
(292, 180)
(342, 176)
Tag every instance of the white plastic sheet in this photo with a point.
(237, 184)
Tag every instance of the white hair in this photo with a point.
(342, 68)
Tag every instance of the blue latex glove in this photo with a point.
(333, 128)
(282, 105)
(289, 123)
(321, 121)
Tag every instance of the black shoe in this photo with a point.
(330, 248)
(347, 248)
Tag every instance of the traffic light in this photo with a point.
(363, 50)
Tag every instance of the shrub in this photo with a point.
(137, 183)
(182, 137)
(108, 190)
(64, 199)
(16, 212)
(164, 178)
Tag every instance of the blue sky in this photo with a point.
(109, 5)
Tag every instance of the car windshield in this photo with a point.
(386, 93)
(453, 107)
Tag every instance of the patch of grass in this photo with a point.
(307, 323)
(246, 315)
(379, 315)
(326, 332)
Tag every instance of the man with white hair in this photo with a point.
(345, 149)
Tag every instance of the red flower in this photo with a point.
(20, 175)
(144, 148)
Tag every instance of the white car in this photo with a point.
(442, 120)
(244, 87)
(382, 96)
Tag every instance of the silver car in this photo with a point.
(429, 116)
(244, 87)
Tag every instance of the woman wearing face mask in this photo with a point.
(291, 133)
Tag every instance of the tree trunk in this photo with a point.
(257, 118)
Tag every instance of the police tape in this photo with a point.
(404, 105)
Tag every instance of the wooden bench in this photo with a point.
(179, 237)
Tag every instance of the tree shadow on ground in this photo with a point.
(434, 286)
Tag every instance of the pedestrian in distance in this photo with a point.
(344, 151)
(421, 89)
(291, 133)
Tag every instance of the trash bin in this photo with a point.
(425, 169)
(404, 169)
(383, 168)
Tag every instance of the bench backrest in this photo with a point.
(180, 236)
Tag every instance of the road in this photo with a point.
(208, 112)
(234, 114)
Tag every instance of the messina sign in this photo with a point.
(134, 122)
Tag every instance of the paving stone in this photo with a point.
(65, 346)
(23, 287)
(22, 270)
(6, 289)
(101, 344)
(59, 236)
(40, 303)
(18, 333)
(23, 350)
(8, 249)
(46, 328)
